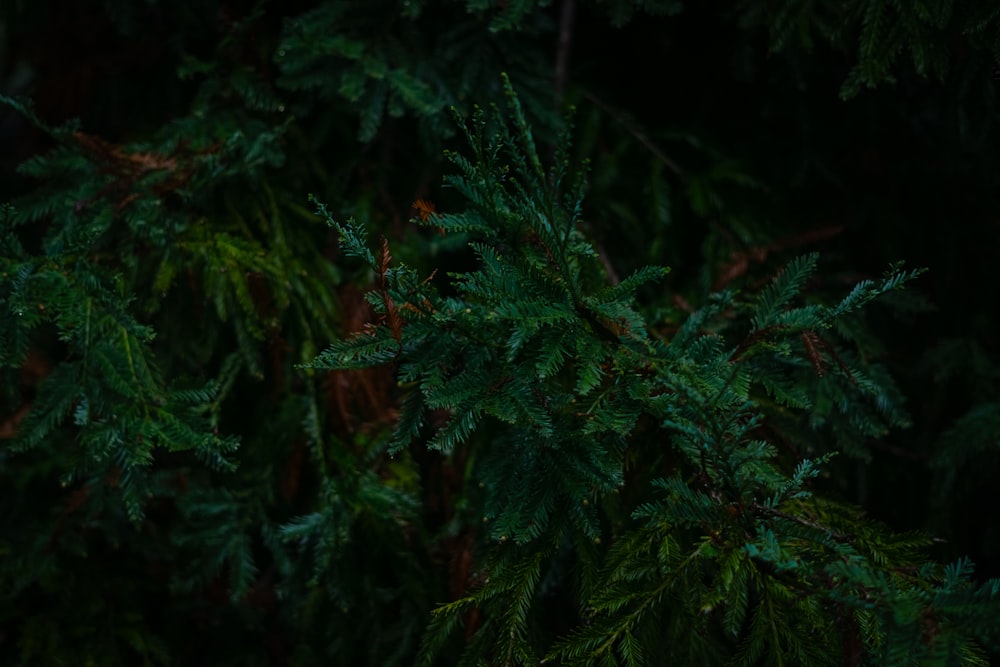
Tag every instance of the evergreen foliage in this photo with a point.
(882, 31)
(727, 542)
(243, 426)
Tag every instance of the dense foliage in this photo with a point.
(646, 382)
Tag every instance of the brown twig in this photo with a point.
(638, 133)
(563, 46)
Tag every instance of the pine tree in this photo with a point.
(237, 427)
(559, 388)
